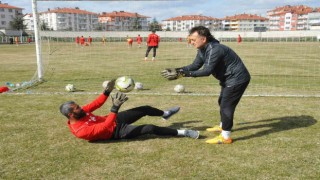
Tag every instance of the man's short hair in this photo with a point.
(65, 108)
(202, 31)
(154, 31)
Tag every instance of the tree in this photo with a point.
(154, 25)
(43, 26)
(17, 23)
(136, 24)
(99, 27)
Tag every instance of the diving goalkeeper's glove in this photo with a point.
(109, 87)
(117, 100)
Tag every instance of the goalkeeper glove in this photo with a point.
(109, 87)
(117, 100)
(174, 73)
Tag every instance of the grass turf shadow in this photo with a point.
(276, 125)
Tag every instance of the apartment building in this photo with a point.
(186, 22)
(245, 22)
(123, 21)
(7, 14)
(28, 21)
(289, 18)
(69, 19)
(314, 20)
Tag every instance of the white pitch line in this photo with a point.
(158, 94)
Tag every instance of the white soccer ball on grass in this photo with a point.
(124, 84)
(179, 88)
(70, 88)
(138, 86)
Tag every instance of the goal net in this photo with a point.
(280, 63)
(280, 66)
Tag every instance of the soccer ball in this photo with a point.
(105, 84)
(70, 87)
(124, 84)
(179, 88)
(138, 86)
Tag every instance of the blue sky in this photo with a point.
(170, 8)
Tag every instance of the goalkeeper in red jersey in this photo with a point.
(117, 125)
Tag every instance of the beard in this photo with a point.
(79, 115)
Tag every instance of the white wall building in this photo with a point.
(68, 19)
(186, 22)
(28, 21)
(123, 21)
(292, 18)
(7, 14)
(314, 20)
(245, 22)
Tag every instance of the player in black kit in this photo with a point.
(225, 65)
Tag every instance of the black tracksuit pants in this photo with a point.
(228, 101)
(124, 129)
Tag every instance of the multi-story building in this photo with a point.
(314, 19)
(28, 21)
(69, 19)
(7, 14)
(123, 21)
(245, 22)
(186, 22)
(289, 18)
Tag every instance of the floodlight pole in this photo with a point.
(37, 39)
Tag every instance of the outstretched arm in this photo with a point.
(210, 62)
(97, 103)
(176, 73)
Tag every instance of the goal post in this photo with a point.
(37, 40)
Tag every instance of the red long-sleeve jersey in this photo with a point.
(153, 40)
(92, 127)
(139, 39)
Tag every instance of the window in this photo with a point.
(1, 10)
(10, 10)
(3, 23)
(3, 16)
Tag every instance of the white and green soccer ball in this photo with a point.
(138, 86)
(179, 88)
(70, 88)
(124, 84)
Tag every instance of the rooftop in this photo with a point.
(7, 6)
(121, 14)
(190, 17)
(245, 17)
(299, 9)
(68, 11)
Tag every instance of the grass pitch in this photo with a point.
(274, 137)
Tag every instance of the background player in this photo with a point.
(152, 43)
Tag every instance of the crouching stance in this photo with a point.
(117, 125)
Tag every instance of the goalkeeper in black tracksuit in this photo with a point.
(225, 65)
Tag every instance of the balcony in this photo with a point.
(61, 16)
